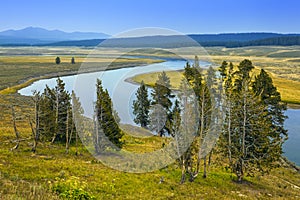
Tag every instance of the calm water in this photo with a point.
(123, 94)
(292, 145)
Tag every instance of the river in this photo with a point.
(123, 94)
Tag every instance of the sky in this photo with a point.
(185, 16)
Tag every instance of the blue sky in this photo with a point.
(186, 16)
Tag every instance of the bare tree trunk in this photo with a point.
(240, 166)
(96, 137)
(204, 167)
(240, 171)
(67, 132)
(35, 131)
(15, 128)
(201, 132)
(209, 157)
(182, 170)
(229, 136)
(71, 134)
(76, 142)
(56, 120)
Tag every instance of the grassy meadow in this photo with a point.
(43, 175)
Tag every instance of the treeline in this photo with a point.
(277, 41)
(226, 40)
(251, 132)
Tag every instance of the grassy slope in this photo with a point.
(31, 176)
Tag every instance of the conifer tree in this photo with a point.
(106, 123)
(62, 106)
(162, 96)
(57, 60)
(274, 112)
(141, 106)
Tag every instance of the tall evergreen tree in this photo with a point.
(78, 117)
(141, 106)
(162, 96)
(62, 106)
(57, 60)
(176, 119)
(274, 109)
(223, 69)
(47, 114)
(105, 121)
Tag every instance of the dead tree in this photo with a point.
(15, 128)
(35, 130)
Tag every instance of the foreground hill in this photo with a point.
(52, 174)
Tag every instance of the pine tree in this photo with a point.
(176, 119)
(223, 69)
(106, 124)
(62, 106)
(57, 60)
(78, 118)
(274, 108)
(141, 106)
(47, 114)
(162, 96)
(73, 60)
(227, 104)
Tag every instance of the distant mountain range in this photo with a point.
(42, 37)
(35, 35)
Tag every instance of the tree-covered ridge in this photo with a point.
(207, 40)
